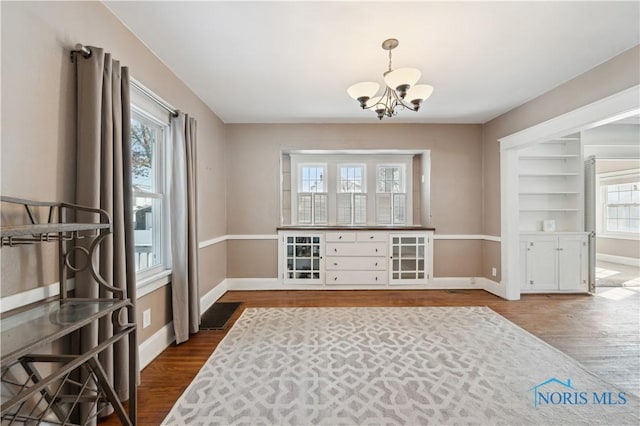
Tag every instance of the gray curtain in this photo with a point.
(184, 240)
(104, 181)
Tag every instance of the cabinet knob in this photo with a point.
(371, 237)
(335, 263)
(340, 237)
(376, 265)
(376, 278)
(376, 250)
(335, 278)
(335, 249)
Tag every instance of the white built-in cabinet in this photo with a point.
(553, 263)
(553, 244)
(356, 257)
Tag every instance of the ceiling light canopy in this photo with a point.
(401, 89)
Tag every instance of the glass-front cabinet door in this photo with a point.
(302, 255)
(408, 260)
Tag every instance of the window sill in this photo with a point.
(152, 283)
(634, 237)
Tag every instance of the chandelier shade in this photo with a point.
(419, 93)
(363, 91)
(402, 79)
(401, 90)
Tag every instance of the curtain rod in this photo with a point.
(141, 88)
(86, 52)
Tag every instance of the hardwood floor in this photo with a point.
(601, 331)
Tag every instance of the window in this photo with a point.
(312, 196)
(622, 210)
(353, 187)
(148, 140)
(351, 201)
(391, 199)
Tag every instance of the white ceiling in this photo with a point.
(288, 62)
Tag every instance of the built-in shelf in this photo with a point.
(549, 157)
(544, 174)
(550, 185)
(548, 210)
(549, 193)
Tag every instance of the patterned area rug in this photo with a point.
(404, 366)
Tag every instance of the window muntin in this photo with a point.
(312, 196)
(148, 139)
(351, 179)
(391, 199)
(351, 197)
(622, 210)
(312, 178)
(389, 179)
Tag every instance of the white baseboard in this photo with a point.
(630, 261)
(154, 345)
(437, 283)
(212, 295)
(493, 287)
(161, 339)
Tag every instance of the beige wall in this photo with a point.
(611, 77)
(38, 138)
(618, 247)
(253, 154)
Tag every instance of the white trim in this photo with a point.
(630, 261)
(222, 238)
(156, 344)
(437, 283)
(163, 338)
(212, 295)
(615, 107)
(491, 286)
(466, 237)
(37, 294)
(152, 283)
(212, 241)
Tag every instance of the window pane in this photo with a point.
(360, 208)
(312, 179)
(343, 215)
(383, 208)
(143, 141)
(304, 208)
(350, 179)
(399, 208)
(147, 233)
(612, 197)
(320, 208)
(624, 197)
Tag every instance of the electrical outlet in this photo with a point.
(494, 271)
(146, 318)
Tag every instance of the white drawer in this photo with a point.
(372, 236)
(356, 277)
(355, 263)
(340, 236)
(373, 249)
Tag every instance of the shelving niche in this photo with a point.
(551, 185)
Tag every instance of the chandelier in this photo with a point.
(401, 91)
